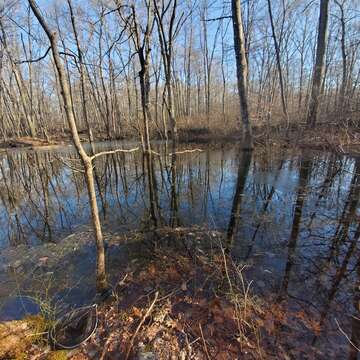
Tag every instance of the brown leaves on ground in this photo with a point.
(194, 317)
(202, 312)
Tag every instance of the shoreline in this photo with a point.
(323, 137)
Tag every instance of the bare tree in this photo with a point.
(343, 55)
(24, 95)
(242, 72)
(319, 67)
(101, 283)
(142, 43)
(167, 36)
(278, 63)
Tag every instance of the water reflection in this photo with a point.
(244, 165)
(304, 174)
(294, 218)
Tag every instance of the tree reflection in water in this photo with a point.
(293, 219)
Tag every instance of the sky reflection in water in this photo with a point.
(297, 224)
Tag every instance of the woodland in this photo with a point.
(263, 75)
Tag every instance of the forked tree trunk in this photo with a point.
(101, 283)
(278, 63)
(242, 72)
(142, 43)
(344, 58)
(319, 64)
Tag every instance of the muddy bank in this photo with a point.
(29, 143)
(326, 137)
(23, 257)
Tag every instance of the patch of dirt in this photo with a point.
(28, 142)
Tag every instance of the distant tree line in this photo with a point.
(175, 59)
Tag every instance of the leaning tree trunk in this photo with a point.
(242, 72)
(101, 283)
(319, 64)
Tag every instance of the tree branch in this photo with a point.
(35, 60)
(219, 18)
(140, 325)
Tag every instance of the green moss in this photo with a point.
(148, 348)
(39, 325)
(21, 356)
(57, 355)
(123, 316)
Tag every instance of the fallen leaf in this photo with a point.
(136, 311)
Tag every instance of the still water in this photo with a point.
(291, 216)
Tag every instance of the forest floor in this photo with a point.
(182, 298)
(328, 137)
(342, 140)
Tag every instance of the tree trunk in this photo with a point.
(344, 59)
(319, 64)
(243, 171)
(242, 72)
(278, 63)
(101, 283)
(142, 46)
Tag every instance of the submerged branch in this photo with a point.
(346, 336)
(185, 152)
(113, 152)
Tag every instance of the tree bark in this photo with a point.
(242, 72)
(278, 63)
(101, 283)
(142, 46)
(343, 56)
(319, 67)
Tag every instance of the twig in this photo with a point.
(204, 343)
(34, 60)
(185, 151)
(122, 282)
(140, 325)
(41, 355)
(346, 335)
(105, 347)
(108, 13)
(73, 168)
(218, 18)
(188, 346)
(155, 153)
(113, 152)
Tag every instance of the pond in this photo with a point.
(291, 216)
